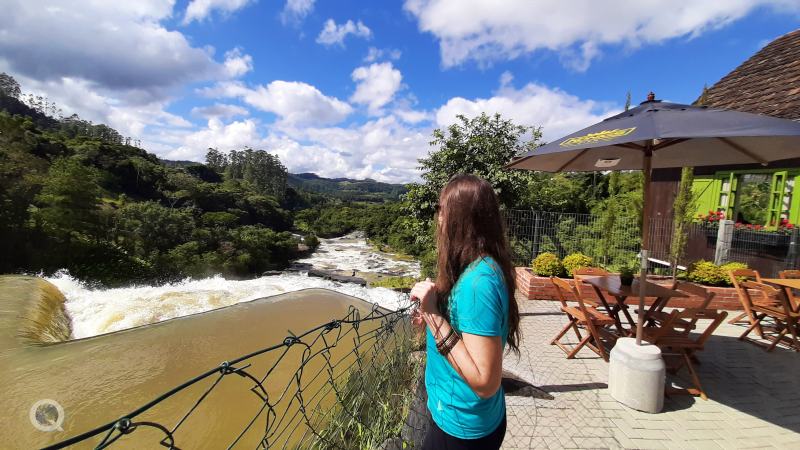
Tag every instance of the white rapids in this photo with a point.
(99, 311)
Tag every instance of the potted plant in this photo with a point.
(626, 274)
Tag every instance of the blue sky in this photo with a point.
(354, 88)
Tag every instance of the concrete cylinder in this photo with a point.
(636, 375)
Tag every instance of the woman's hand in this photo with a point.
(424, 292)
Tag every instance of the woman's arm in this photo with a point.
(478, 359)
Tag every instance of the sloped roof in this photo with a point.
(767, 83)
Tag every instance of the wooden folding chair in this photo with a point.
(735, 275)
(781, 312)
(584, 316)
(788, 275)
(679, 348)
(681, 325)
(582, 272)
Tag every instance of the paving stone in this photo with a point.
(749, 404)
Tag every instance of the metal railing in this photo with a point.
(615, 241)
(321, 408)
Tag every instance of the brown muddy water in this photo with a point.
(99, 379)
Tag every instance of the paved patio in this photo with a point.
(754, 397)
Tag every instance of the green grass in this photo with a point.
(374, 401)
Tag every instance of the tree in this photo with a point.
(9, 86)
(480, 146)
(683, 208)
(68, 201)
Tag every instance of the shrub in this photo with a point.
(311, 241)
(395, 283)
(733, 266)
(547, 265)
(708, 273)
(576, 261)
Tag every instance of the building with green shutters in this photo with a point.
(766, 196)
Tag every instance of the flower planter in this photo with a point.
(533, 287)
(761, 238)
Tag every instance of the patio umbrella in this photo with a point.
(658, 135)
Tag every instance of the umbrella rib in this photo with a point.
(743, 151)
(572, 160)
(669, 143)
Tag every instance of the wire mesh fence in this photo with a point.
(344, 384)
(612, 242)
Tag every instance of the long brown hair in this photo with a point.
(471, 227)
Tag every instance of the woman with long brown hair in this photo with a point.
(470, 314)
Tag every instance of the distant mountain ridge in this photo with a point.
(367, 190)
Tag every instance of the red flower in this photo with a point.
(749, 226)
(789, 226)
(758, 227)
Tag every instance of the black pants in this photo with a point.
(436, 439)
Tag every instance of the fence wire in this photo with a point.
(614, 241)
(349, 386)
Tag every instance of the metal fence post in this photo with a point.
(724, 238)
(792, 254)
(535, 241)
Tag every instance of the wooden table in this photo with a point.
(612, 285)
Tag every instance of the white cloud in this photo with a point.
(294, 11)
(296, 103)
(199, 10)
(383, 149)
(376, 85)
(219, 110)
(234, 135)
(487, 30)
(375, 54)
(237, 63)
(557, 112)
(335, 34)
(115, 45)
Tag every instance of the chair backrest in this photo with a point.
(768, 292)
(581, 272)
(562, 288)
(692, 315)
(789, 274)
(698, 291)
(739, 275)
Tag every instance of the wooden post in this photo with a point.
(646, 172)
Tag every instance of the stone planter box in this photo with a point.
(533, 287)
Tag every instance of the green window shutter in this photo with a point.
(776, 194)
(794, 209)
(706, 192)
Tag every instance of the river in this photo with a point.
(98, 311)
(129, 345)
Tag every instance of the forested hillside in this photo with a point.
(346, 188)
(79, 196)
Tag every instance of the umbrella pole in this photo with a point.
(646, 171)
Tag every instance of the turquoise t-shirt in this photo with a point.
(478, 305)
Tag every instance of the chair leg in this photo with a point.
(777, 339)
(738, 318)
(792, 325)
(754, 322)
(578, 347)
(564, 330)
(695, 378)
